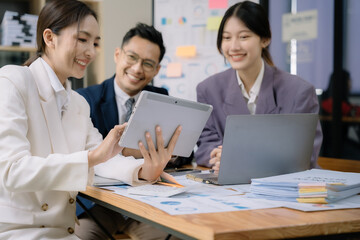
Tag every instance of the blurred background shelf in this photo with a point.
(121, 15)
(18, 55)
(17, 49)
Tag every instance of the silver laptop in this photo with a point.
(263, 145)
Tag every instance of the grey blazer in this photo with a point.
(280, 93)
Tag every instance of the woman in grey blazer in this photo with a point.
(48, 144)
(253, 85)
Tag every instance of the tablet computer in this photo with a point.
(152, 109)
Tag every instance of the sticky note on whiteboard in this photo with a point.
(186, 51)
(213, 4)
(213, 23)
(173, 69)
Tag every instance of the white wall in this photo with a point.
(117, 17)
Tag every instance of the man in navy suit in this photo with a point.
(137, 63)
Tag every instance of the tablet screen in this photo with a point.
(154, 109)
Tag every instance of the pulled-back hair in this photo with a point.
(57, 15)
(146, 32)
(255, 18)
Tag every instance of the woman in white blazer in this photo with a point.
(48, 145)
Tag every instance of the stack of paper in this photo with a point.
(18, 30)
(103, 181)
(159, 190)
(311, 186)
(168, 186)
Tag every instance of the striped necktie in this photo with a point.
(129, 105)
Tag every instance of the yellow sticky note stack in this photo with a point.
(312, 193)
(186, 51)
(310, 186)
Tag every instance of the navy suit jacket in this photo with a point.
(102, 101)
(280, 93)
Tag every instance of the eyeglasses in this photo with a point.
(147, 64)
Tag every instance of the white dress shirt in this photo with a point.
(251, 98)
(62, 95)
(121, 98)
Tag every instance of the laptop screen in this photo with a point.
(264, 145)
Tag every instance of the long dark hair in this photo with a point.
(56, 15)
(255, 18)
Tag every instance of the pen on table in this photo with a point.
(170, 184)
(170, 179)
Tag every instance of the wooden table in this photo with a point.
(276, 223)
(345, 119)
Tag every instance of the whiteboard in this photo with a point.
(189, 23)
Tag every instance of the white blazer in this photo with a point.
(43, 157)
